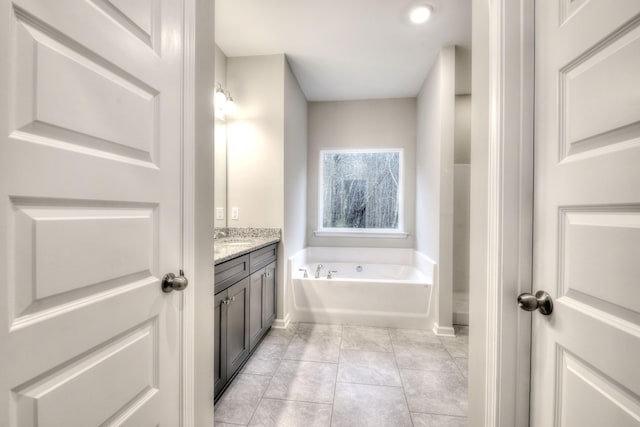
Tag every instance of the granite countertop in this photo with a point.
(240, 241)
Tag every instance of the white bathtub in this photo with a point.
(393, 288)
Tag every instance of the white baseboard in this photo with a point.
(443, 331)
(282, 323)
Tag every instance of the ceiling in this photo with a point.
(345, 49)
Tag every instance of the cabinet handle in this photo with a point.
(233, 298)
(226, 301)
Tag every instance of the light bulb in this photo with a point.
(219, 99)
(230, 107)
(420, 14)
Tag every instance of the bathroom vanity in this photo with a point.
(245, 301)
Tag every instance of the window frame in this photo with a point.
(362, 232)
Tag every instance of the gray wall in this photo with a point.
(295, 176)
(462, 144)
(202, 277)
(220, 191)
(461, 181)
(434, 176)
(255, 135)
(267, 155)
(255, 148)
(380, 123)
(479, 220)
(463, 70)
(428, 164)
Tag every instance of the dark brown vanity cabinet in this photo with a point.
(245, 307)
(263, 302)
(231, 341)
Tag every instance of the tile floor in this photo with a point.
(330, 375)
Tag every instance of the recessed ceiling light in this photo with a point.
(420, 14)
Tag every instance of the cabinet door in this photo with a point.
(220, 342)
(255, 316)
(269, 296)
(237, 325)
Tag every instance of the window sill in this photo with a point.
(364, 234)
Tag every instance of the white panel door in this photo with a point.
(586, 355)
(90, 212)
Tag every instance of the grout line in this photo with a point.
(340, 362)
(279, 399)
(440, 414)
(269, 384)
(450, 371)
(404, 390)
(372, 385)
(335, 384)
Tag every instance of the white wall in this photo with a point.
(380, 123)
(220, 191)
(255, 148)
(295, 178)
(434, 178)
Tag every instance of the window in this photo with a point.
(360, 191)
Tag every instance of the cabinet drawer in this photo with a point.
(263, 257)
(230, 272)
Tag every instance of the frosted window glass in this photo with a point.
(360, 189)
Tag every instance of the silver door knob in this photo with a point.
(171, 282)
(541, 301)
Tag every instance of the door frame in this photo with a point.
(501, 240)
(502, 211)
(198, 85)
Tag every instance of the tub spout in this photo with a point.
(318, 268)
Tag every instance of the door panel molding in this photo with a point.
(52, 395)
(141, 20)
(614, 405)
(576, 81)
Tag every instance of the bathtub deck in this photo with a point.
(322, 375)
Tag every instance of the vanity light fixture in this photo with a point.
(420, 14)
(220, 98)
(223, 102)
(229, 105)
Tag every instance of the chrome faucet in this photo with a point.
(318, 268)
(306, 275)
(219, 234)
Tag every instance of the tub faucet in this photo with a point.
(318, 268)
(306, 275)
(329, 276)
